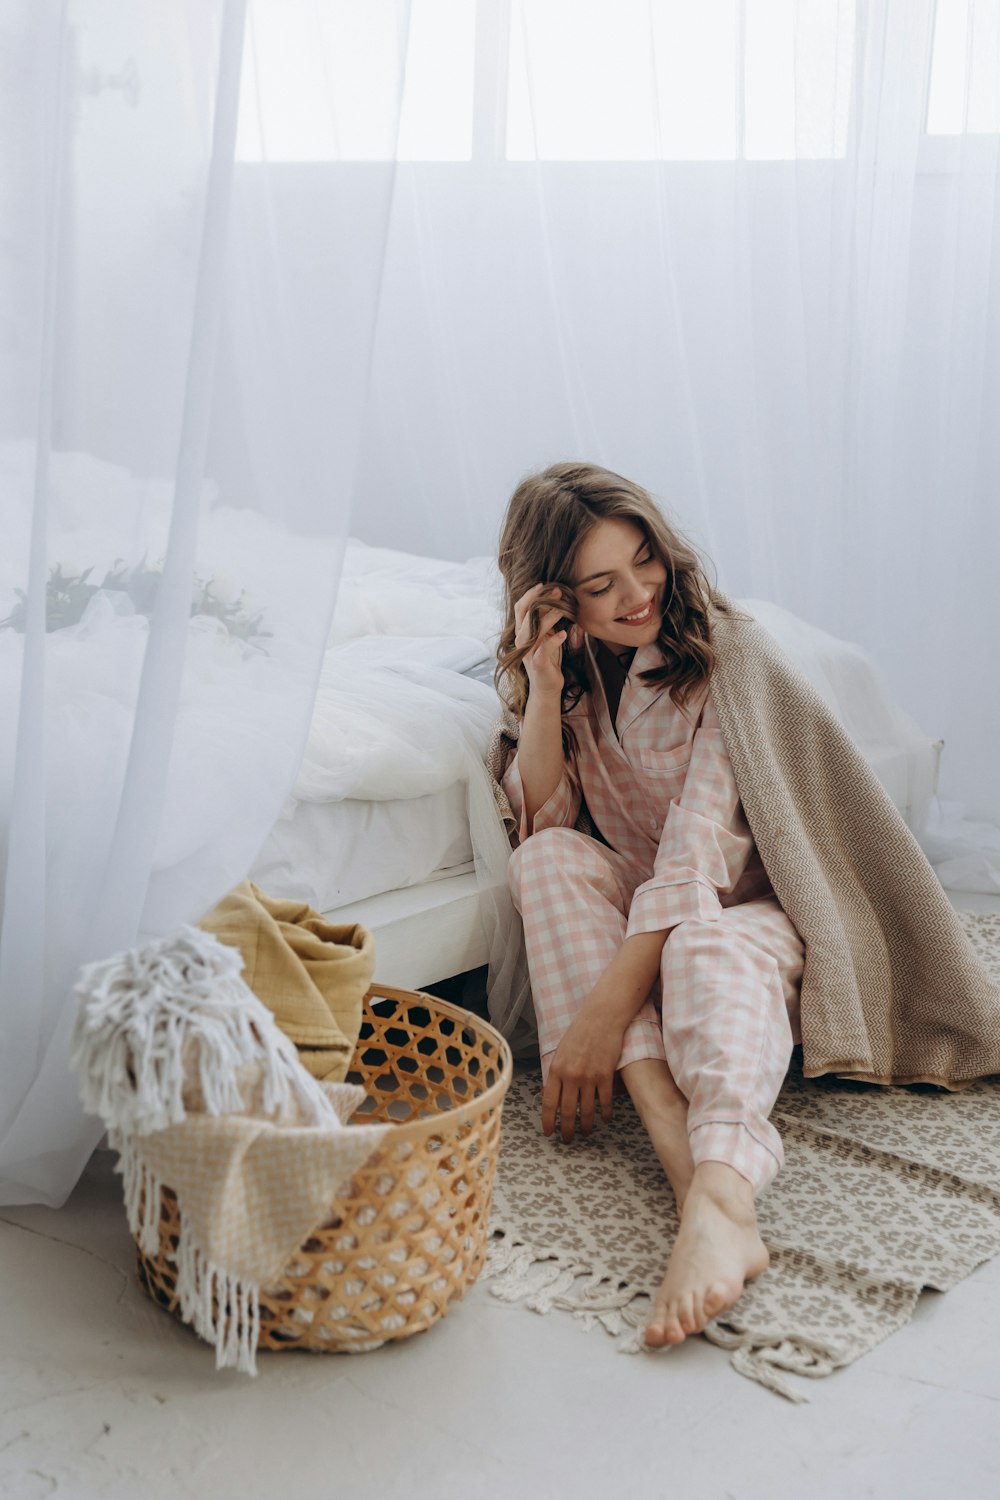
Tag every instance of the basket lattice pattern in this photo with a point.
(409, 1235)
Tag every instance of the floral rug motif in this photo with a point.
(883, 1193)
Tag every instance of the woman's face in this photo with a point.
(619, 585)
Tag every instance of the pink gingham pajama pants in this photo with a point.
(729, 989)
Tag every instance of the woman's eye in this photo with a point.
(596, 593)
(644, 560)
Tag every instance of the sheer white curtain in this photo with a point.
(186, 341)
(747, 252)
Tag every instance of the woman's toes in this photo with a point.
(686, 1314)
(716, 1298)
(663, 1327)
(675, 1333)
(656, 1328)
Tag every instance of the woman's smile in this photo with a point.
(641, 617)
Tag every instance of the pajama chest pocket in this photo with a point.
(666, 762)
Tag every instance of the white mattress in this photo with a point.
(334, 853)
(424, 933)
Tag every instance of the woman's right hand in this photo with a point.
(543, 663)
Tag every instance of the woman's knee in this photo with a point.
(546, 853)
(686, 944)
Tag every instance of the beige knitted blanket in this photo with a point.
(892, 990)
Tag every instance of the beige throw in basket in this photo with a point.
(409, 1235)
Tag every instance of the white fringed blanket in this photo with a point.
(201, 1091)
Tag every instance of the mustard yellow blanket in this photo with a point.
(311, 974)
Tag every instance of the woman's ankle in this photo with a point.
(724, 1186)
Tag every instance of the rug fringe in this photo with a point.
(544, 1280)
(755, 1365)
(763, 1360)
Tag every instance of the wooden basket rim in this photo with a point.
(414, 1130)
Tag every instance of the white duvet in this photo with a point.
(388, 593)
(396, 718)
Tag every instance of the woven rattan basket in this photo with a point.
(409, 1235)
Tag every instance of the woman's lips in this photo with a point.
(638, 620)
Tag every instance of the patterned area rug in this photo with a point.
(883, 1193)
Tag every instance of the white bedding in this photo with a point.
(396, 718)
(383, 592)
(333, 853)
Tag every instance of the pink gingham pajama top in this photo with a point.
(659, 785)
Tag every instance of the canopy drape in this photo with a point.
(183, 371)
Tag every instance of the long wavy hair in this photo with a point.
(547, 518)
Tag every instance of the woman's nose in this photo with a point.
(635, 595)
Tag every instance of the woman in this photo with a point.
(658, 949)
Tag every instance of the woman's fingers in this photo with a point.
(547, 619)
(548, 651)
(524, 604)
(561, 1099)
(586, 1109)
(559, 1102)
(568, 1100)
(550, 1103)
(549, 612)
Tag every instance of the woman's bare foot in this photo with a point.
(718, 1248)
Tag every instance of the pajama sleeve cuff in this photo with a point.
(658, 908)
(559, 811)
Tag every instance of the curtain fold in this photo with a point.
(181, 400)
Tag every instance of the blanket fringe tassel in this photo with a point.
(222, 1308)
(547, 1280)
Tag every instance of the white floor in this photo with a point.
(103, 1395)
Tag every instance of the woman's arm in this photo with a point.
(584, 1062)
(540, 751)
(705, 844)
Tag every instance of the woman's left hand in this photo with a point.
(582, 1070)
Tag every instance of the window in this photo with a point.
(964, 93)
(641, 80)
(586, 80)
(322, 81)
